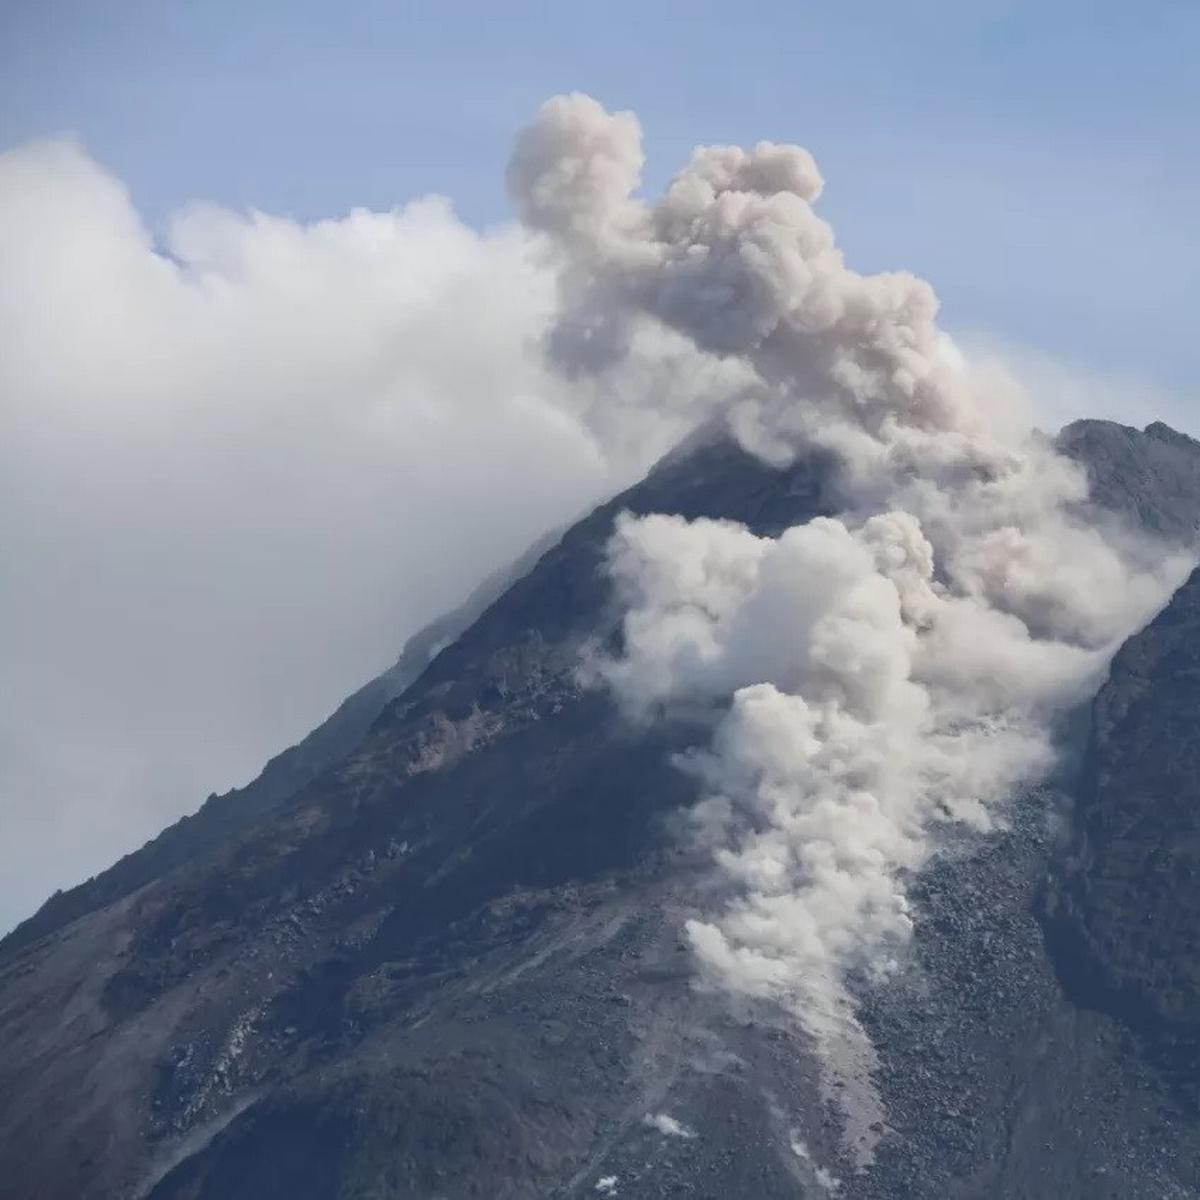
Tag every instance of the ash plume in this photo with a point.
(882, 675)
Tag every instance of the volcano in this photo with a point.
(438, 950)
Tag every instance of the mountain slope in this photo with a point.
(222, 818)
(1126, 917)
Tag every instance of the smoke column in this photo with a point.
(880, 676)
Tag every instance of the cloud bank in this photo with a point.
(238, 466)
(880, 675)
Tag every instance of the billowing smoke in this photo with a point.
(882, 675)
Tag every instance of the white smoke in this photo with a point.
(668, 1126)
(882, 674)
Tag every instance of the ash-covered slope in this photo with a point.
(451, 965)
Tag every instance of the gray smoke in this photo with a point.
(882, 675)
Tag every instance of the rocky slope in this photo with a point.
(446, 961)
(1151, 476)
(1126, 914)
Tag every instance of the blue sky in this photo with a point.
(1038, 162)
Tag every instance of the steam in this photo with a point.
(879, 676)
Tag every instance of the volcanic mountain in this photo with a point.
(438, 949)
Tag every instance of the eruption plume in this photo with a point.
(879, 675)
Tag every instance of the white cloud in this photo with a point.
(238, 469)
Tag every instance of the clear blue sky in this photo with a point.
(1037, 161)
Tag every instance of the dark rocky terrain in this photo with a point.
(1151, 476)
(436, 951)
(1125, 915)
